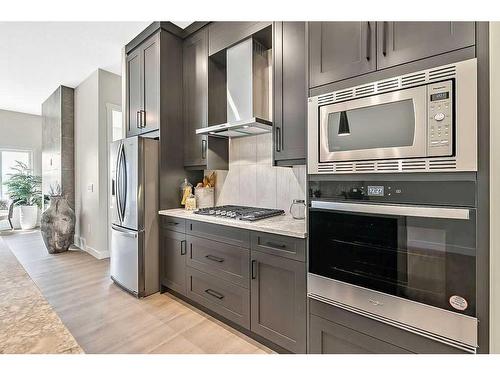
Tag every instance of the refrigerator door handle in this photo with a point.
(118, 183)
(125, 183)
(125, 232)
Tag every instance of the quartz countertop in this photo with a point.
(285, 225)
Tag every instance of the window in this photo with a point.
(8, 160)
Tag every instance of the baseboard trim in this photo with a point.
(82, 244)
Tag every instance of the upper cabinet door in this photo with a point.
(195, 91)
(339, 50)
(402, 42)
(290, 93)
(134, 93)
(151, 84)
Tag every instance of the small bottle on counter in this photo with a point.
(186, 191)
(190, 203)
(298, 209)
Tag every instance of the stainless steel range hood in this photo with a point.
(248, 92)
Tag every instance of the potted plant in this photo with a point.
(25, 190)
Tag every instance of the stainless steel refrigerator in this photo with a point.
(134, 215)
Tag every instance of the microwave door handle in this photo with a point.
(398, 210)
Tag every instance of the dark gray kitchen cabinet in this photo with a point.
(278, 295)
(224, 34)
(334, 330)
(143, 87)
(195, 94)
(402, 42)
(331, 338)
(290, 93)
(150, 52)
(134, 92)
(173, 260)
(339, 50)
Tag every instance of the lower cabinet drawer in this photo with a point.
(228, 262)
(224, 298)
(330, 338)
(335, 330)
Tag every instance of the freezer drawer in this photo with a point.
(126, 258)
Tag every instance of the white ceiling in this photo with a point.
(37, 57)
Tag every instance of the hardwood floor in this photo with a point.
(105, 319)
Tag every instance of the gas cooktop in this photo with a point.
(240, 212)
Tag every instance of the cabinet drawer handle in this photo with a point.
(214, 258)
(143, 118)
(213, 293)
(183, 247)
(278, 139)
(274, 244)
(138, 120)
(203, 149)
(254, 270)
(368, 41)
(384, 38)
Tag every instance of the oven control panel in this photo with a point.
(440, 119)
(456, 193)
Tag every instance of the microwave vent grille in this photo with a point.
(364, 167)
(326, 98)
(387, 166)
(406, 81)
(442, 73)
(384, 166)
(443, 164)
(412, 79)
(344, 167)
(413, 165)
(390, 84)
(344, 94)
(364, 90)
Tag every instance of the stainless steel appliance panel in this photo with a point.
(125, 259)
(441, 325)
(371, 135)
(444, 100)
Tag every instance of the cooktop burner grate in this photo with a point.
(240, 212)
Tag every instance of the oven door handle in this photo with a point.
(399, 210)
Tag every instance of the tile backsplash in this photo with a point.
(252, 180)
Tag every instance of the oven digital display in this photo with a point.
(375, 191)
(440, 96)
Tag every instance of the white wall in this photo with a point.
(253, 181)
(91, 160)
(494, 187)
(22, 131)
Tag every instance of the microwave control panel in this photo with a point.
(440, 119)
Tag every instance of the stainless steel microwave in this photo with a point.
(420, 122)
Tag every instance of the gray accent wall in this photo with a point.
(58, 142)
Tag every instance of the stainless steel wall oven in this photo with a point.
(419, 122)
(403, 252)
